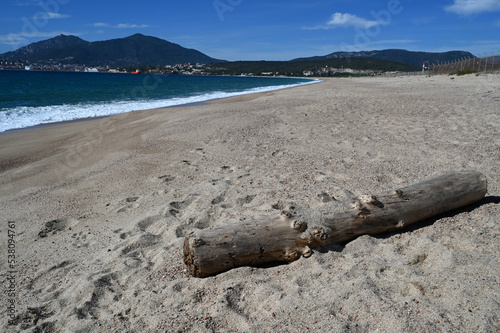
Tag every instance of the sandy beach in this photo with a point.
(98, 211)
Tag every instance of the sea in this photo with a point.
(30, 98)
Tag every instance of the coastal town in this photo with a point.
(187, 68)
(184, 69)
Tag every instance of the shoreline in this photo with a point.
(186, 104)
(52, 132)
(101, 208)
(66, 122)
(30, 128)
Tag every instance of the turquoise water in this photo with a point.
(30, 98)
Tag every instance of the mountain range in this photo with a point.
(396, 55)
(134, 50)
(141, 50)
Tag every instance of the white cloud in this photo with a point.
(128, 26)
(473, 6)
(120, 25)
(56, 16)
(15, 39)
(350, 20)
(100, 25)
(11, 39)
(345, 20)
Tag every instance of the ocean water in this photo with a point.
(29, 98)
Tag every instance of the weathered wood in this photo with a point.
(296, 232)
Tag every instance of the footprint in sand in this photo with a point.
(55, 226)
(144, 241)
(80, 239)
(65, 266)
(167, 178)
(32, 316)
(175, 207)
(133, 248)
(220, 200)
(217, 200)
(141, 227)
(147, 222)
(245, 200)
(130, 203)
(200, 222)
(104, 287)
(325, 197)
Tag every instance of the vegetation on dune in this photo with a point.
(464, 72)
(331, 67)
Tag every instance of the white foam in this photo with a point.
(21, 117)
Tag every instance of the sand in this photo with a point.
(100, 209)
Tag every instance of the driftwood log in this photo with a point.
(295, 232)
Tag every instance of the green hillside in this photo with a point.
(130, 51)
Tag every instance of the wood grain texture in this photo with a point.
(284, 238)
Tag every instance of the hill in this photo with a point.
(135, 50)
(142, 51)
(396, 55)
(295, 68)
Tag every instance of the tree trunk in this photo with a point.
(284, 238)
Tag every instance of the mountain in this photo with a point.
(135, 50)
(402, 56)
(47, 46)
(139, 50)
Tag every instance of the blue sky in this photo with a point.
(263, 29)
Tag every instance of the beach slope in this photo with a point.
(98, 211)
